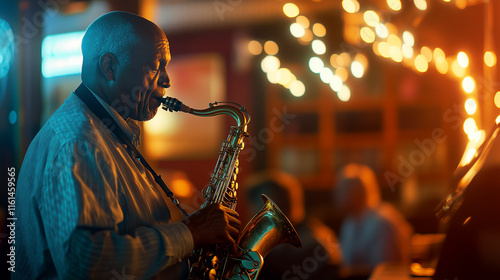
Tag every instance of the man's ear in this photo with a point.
(107, 65)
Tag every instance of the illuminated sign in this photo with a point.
(62, 54)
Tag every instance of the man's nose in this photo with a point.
(164, 80)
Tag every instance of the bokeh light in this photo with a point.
(371, 18)
(297, 30)
(463, 59)
(367, 34)
(470, 106)
(490, 59)
(319, 30)
(344, 93)
(271, 48)
(270, 63)
(468, 84)
(316, 64)
(350, 6)
(381, 30)
(420, 4)
(421, 63)
(395, 5)
(297, 88)
(318, 46)
(254, 47)
(291, 10)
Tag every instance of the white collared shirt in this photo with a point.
(87, 210)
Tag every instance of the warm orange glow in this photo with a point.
(357, 69)
(469, 155)
(291, 10)
(439, 55)
(270, 63)
(394, 40)
(468, 84)
(285, 76)
(344, 93)
(381, 30)
(497, 99)
(426, 51)
(342, 73)
(408, 38)
(420, 4)
(333, 60)
(319, 30)
(302, 20)
(350, 6)
(396, 53)
(318, 46)
(254, 47)
(307, 38)
(316, 64)
(375, 47)
(367, 34)
(490, 59)
(470, 126)
(362, 59)
(383, 49)
(371, 18)
(407, 51)
(343, 60)
(458, 70)
(297, 88)
(421, 63)
(497, 120)
(442, 66)
(470, 106)
(297, 30)
(463, 59)
(271, 48)
(395, 5)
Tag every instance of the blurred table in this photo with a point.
(394, 271)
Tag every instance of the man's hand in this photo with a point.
(214, 224)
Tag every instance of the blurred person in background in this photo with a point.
(319, 256)
(372, 231)
(87, 206)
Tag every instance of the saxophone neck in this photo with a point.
(236, 111)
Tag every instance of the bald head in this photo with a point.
(125, 60)
(119, 33)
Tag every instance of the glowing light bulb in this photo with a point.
(463, 59)
(297, 30)
(408, 38)
(468, 84)
(420, 4)
(497, 99)
(350, 6)
(371, 18)
(395, 5)
(291, 10)
(319, 30)
(318, 47)
(357, 69)
(381, 30)
(297, 88)
(367, 34)
(470, 126)
(254, 47)
(344, 93)
(470, 106)
(270, 63)
(316, 64)
(421, 63)
(490, 59)
(271, 48)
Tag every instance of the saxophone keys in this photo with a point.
(236, 170)
(235, 186)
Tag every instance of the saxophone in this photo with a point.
(267, 229)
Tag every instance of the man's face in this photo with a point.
(143, 79)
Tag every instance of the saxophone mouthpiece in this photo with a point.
(172, 104)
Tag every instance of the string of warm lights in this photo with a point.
(270, 65)
(386, 41)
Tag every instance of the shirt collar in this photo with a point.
(130, 127)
